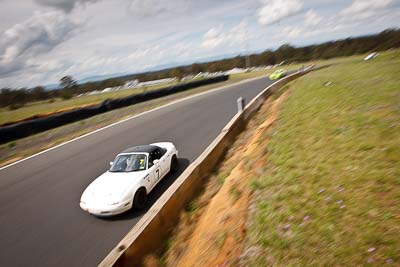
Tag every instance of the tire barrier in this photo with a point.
(26, 128)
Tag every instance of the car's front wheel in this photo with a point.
(139, 201)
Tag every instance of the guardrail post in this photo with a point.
(240, 104)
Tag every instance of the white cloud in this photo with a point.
(312, 18)
(213, 37)
(353, 16)
(20, 44)
(216, 36)
(292, 32)
(155, 52)
(65, 5)
(153, 8)
(362, 9)
(276, 10)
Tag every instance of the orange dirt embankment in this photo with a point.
(217, 237)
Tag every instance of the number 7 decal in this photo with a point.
(158, 173)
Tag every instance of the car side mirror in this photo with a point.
(111, 163)
(155, 161)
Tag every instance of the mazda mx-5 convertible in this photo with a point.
(131, 177)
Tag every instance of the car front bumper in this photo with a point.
(106, 210)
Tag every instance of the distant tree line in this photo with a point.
(351, 46)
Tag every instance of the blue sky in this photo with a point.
(44, 40)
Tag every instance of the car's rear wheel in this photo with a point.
(174, 164)
(139, 201)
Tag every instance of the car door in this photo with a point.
(164, 162)
(155, 170)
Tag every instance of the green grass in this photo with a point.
(235, 192)
(220, 240)
(192, 207)
(330, 195)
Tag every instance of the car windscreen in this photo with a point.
(129, 163)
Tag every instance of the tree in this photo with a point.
(67, 82)
(14, 98)
(38, 93)
(70, 87)
(5, 97)
(176, 72)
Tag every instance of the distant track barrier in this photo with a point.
(26, 128)
(153, 228)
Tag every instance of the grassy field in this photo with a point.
(329, 194)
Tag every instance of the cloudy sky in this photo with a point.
(43, 40)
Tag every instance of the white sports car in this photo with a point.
(133, 174)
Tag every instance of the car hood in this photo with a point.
(111, 187)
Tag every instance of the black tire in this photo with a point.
(174, 164)
(140, 199)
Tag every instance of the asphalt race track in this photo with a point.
(41, 223)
